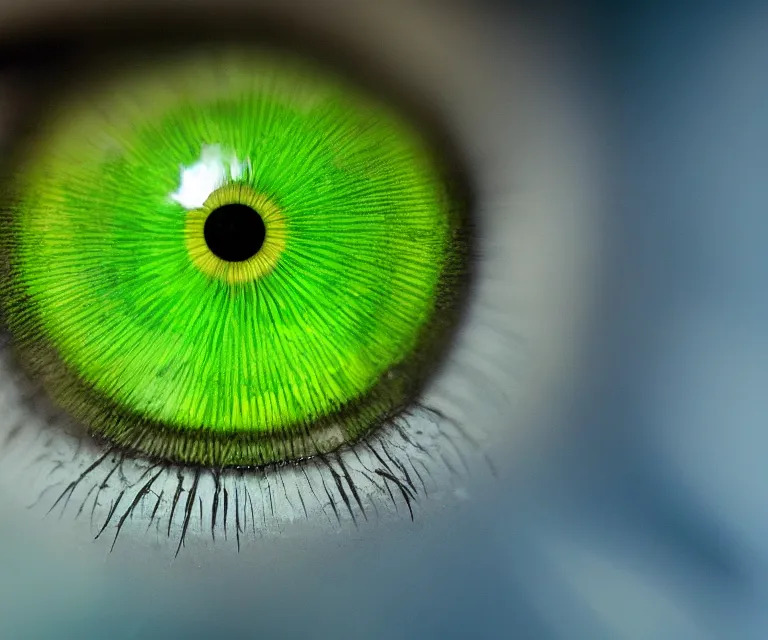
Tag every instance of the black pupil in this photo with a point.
(234, 232)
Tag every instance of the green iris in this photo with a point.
(230, 259)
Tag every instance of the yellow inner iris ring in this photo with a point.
(258, 265)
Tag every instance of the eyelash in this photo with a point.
(348, 484)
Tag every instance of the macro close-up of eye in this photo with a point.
(234, 270)
(273, 285)
(231, 262)
(383, 319)
(234, 262)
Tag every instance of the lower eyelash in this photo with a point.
(388, 470)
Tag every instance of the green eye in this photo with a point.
(234, 259)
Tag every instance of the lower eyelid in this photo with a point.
(398, 472)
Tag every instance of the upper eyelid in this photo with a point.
(363, 26)
(378, 34)
(401, 41)
(371, 44)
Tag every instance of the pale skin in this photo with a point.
(641, 513)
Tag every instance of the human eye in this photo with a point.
(526, 156)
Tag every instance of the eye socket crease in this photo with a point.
(389, 469)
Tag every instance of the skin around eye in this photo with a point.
(231, 259)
